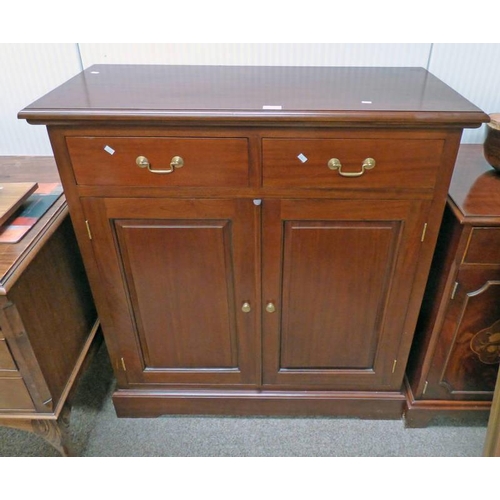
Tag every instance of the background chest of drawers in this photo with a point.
(48, 320)
(454, 362)
(257, 239)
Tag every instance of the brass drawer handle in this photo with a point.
(175, 162)
(368, 164)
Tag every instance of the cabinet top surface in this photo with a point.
(252, 93)
(16, 256)
(475, 186)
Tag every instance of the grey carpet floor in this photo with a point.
(97, 432)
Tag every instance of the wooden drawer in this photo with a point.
(111, 161)
(6, 361)
(399, 163)
(484, 246)
(14, 395)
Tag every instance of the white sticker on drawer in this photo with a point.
(302, 158)
(109, 150)
(271, 107)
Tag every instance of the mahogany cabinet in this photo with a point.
(48, 321)
(454, 361)
(257, 239)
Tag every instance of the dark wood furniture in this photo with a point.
(258, 239)
(454, 360)
(48, 319)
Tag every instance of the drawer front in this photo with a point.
(484, 246)
(14, 395)
(399, 163)
(112, 161)
(6, 361)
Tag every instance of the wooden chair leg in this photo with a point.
(56, 432)
(53, 431)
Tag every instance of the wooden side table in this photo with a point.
(454, 359)
(48, 321)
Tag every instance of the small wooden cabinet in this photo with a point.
(454, 361)
(48, 321)
(257, 239)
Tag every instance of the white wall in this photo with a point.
(28, 72)
(31, 70)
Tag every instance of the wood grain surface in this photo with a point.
(12, 196)
(311, 94)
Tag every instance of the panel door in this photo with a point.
(337, 278)
(466, 359)
(177, 274)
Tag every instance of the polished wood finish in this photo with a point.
(207, 162)
(475, 190)
(15, 257)
(361, 404)
(454, 361)
(483, 246)
(335, 97)
(251, 281)
(401, 162)
(336, 281)
(48, 319)
(188, 267)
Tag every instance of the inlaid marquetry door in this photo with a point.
(181, 288)
(337, 278)
(467, 355)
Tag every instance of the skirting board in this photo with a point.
(380, 405)
(420, 413)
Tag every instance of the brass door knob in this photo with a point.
(246, 307)
(270, 308)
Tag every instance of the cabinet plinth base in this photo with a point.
(150, 404)
(420, 413)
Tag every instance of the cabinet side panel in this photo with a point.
(54, 299)
(434, 302)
